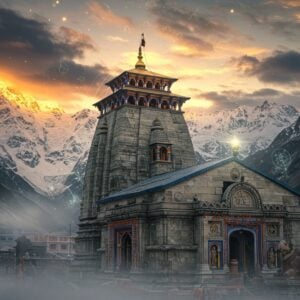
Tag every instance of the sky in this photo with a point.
(225, 53)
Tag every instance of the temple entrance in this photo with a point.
(241, 251)
(126, 253)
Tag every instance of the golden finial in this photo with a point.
(140, 64)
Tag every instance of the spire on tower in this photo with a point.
(140, 64)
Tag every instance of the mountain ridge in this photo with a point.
(49, 148)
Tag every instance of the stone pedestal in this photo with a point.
(204, 269)
(226, 268)
(234, 266)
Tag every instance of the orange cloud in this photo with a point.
(70, 98)
(112, 38)
(289, 3)
(75, 37)
(105, 15)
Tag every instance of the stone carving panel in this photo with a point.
(168, 196)
(178, 196)
(242, 196)
(273, 230)
(242, 199)
(235, 174)
(215, 228)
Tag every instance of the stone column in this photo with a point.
(203, 267)
(99, 164)
(103, 247)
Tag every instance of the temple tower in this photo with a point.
(141, 132)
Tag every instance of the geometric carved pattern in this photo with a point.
(242, 195)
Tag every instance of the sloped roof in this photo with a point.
(141, 90)
(164, 181)
(143, 72)
(149, 73)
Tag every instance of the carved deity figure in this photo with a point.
(242, 198)
(214, 256)
(290, 259)
(271, 258)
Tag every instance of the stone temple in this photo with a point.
(149, 209)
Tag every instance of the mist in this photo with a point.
(70, 286)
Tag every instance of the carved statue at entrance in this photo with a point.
(290, 259)
(272, 258)
(214, 256)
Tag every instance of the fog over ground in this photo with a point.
(46, 286)
(49, 287)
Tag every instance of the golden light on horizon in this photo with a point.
(11, 93)
(199, 103)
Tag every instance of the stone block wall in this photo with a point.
(209, 186)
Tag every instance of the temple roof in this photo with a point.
(164, 181)
(143, 72)
(143, 90)
(146, 72)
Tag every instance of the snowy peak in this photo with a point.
(255, 127)
(49, 148)
(282, 158)
(17, 99)
(42, 146)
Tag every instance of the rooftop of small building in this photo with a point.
(166, 180)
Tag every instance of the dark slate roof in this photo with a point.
(166, 180)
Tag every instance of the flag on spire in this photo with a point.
(143, 42)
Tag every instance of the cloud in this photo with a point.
(112, 38)
(31, 50)
(77, 39)
(245, 63)
(266, 93)
(279, 68)
(278, 16)
(69, 72)
(19, 35)
(105, 15)
(288, 3)
(193, 32)
(228, 99)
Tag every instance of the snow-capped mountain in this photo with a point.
(255, 127)
(42, 146)
(282, 158)
(49, 148)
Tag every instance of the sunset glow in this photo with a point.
(222, 55)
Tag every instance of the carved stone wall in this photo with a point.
(209, 187)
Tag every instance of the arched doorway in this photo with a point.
(126, 253)
(242, 250)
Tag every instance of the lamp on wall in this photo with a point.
(235, 146)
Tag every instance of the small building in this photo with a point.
(148, 208)
(55, 243)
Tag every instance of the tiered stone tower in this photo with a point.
(141, 132)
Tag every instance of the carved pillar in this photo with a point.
(203, 266)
